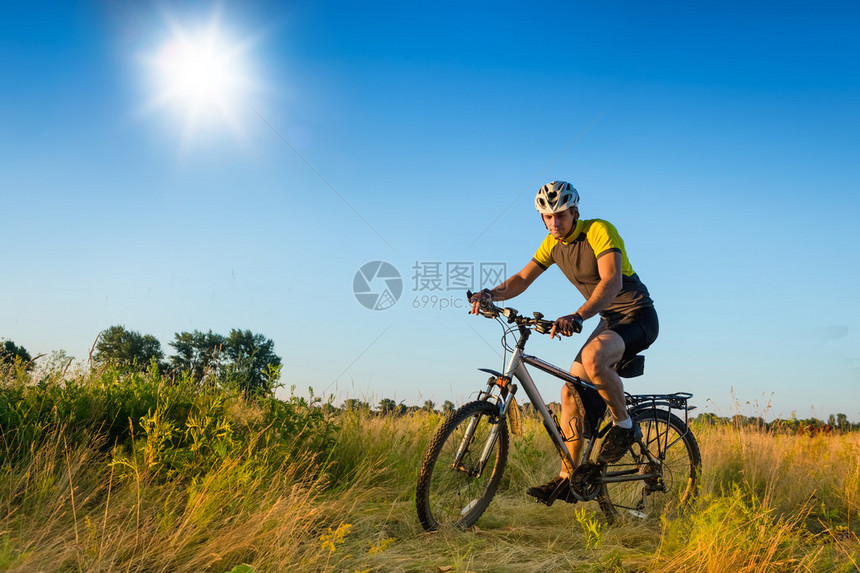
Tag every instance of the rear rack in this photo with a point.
(676, 401)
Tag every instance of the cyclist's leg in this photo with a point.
(599, 357)
(571, 419)
(606, 347)
(572, 408)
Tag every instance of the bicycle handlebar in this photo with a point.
(489, 310)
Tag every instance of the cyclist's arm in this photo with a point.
(609, 268)
(518, 283)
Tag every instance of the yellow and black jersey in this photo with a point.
(576, 255)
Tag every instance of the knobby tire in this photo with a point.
(453, 496)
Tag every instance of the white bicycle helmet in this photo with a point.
(556, 197)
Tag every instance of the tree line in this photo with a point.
(835, 422)
(241, 357)
(389, 406)
(248, 360)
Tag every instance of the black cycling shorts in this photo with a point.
(638, 331)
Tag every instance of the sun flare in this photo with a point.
(202, 76)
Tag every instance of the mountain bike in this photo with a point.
(463, 465)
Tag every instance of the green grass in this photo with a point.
(124, 471)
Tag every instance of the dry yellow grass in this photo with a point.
(768, 502)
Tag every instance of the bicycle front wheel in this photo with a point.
(656, 475)
(462, 467)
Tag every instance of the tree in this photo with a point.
(447, 407)
(429, 406)
(9, 352)
(353, 405)
(387, 405)
(197, 353)
(253, 365)
(119, 346)
(242, 358)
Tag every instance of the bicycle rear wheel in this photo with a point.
(456, 491)
(670, 456)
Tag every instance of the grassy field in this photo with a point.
(116, 471)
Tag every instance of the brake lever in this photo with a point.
(543, 326)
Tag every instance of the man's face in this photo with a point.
(560, 224)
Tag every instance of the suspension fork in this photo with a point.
(516, 359)
(494, 433)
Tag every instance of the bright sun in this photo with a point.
(202, 76)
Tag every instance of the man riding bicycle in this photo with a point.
(591, 255)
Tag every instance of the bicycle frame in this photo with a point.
(516, 369)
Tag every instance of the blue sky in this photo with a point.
(721, 140)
